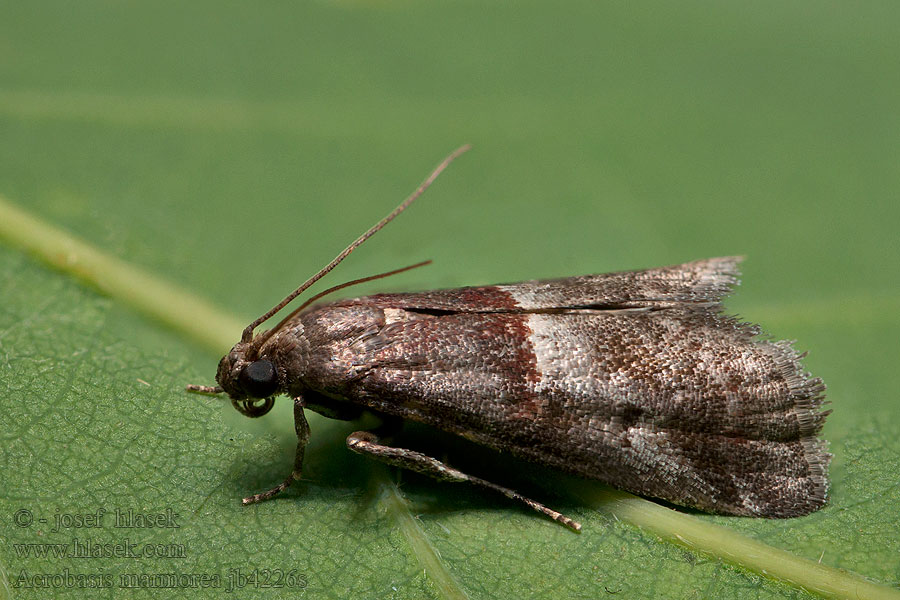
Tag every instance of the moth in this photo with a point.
(635, 379)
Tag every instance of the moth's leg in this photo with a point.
(366, 442)
(302, 429)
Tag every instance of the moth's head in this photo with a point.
(248, 381)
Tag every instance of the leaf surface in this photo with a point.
(233, 149)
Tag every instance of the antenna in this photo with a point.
(263, 337)
(248, 331)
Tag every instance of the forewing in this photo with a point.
(698, 282)
(676, 402)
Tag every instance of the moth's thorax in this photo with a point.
(289, 351)
(314, 351)
(319, 349)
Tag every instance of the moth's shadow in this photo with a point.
(331, 470)
(427, 495)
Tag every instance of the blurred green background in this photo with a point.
(235, 148)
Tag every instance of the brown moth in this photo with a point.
(635, 378)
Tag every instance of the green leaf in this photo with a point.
(233, 149)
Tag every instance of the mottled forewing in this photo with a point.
(698, 282)
(671, 400)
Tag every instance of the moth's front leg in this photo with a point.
(366, 442)
(302, 429)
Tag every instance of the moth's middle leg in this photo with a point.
(302, 429)
(366, 442)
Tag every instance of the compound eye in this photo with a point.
(259, 379)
